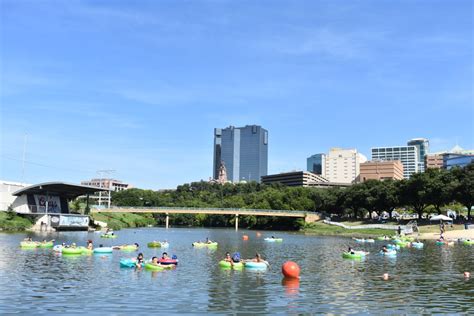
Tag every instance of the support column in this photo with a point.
(236, 221)
(167, 220)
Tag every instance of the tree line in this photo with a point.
(422, 193)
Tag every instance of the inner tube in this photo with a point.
(46, 245)
(168, 261)
(227, 265)
(390, 253)
(103, 250)
(154, 267)
(128, 263)
(393, 247)
(108, 236)
(154, 244)
(383, 238)
(71, 251)
(359, 240)
(273, 239)
(255, 265)
(417, 245)
(58, 248)
(468, 242)
(86, 251)
(129, 248)
(28, 244)
(370, 240)
(348, 255)
(204, 244)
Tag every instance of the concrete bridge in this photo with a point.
(308, 216)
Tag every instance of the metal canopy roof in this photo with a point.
(68, 190)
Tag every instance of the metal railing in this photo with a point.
(203, 209)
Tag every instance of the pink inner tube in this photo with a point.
(168, 261)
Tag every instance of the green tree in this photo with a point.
(413, 192)
(464, 190)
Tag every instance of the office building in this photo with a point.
(343, 165)
(452, 160)
(423, 146)
(316, 164)
(434, 161)
(301, 179)
(243, 151)
(381, 170)
(408, 155)
(110, 184)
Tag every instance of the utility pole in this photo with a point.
(102, 174)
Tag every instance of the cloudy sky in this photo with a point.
(138, 86)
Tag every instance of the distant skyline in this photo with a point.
(139, 86)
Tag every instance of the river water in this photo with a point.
(422, 281)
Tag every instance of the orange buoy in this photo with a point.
(245, 237)
(290, 269)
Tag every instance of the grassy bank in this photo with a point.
(124, 220)
(321, 229)
(9, 221)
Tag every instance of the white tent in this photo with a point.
(440, 218)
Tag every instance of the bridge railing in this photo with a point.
(237, 210)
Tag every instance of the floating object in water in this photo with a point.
(467, 275)
(290, 269)
(103, 250)
(71, 251)
(383, 238)
(245, 237)
(127, 248)
(370, 240)
(28, 244)
(168, 261)
(390, 253)
(259, 234)
(154, 267)
(128, 263)
(58, 248)
(385, 276)
(108, 236)
(348, 255)
(468, 242)
(227, 265)
(198, 244)
(395, 247)
(256, 265)
(273, 239)
(417, 245)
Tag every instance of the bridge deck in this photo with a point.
(191, 210)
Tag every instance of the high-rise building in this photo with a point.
(423, 146)
(408, 155)
(343, 165)
(243, 150)
(456, 156)
(381, 170)
(434, 161)
(316, 164)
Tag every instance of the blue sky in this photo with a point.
(138, 86)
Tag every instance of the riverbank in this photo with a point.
(11, 222)
(450, 234)
(321, 229)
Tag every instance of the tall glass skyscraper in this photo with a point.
(243, 150)
(316, 164)
(423, 146)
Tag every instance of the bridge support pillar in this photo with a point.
(167, 221)
(236, 221)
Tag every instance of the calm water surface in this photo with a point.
(423, 281)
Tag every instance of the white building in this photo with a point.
(343, 165)
(408, 155)
(6, 193)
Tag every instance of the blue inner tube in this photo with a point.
(103, 250)
(255, 265)
(128, 263)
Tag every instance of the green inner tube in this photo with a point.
(468, 242)
(129, 248)
(348, 255)
(72, 251)
(46, 245)
(153, 267)
(226, 265)
(154, 244)
(28, 244)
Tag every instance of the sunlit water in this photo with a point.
(422, 281)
